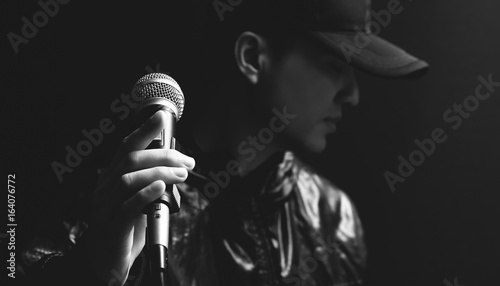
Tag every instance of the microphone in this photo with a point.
(158, 91)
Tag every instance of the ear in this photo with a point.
(252, 55)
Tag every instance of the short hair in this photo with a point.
(214, 64)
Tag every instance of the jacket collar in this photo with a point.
(272, 181)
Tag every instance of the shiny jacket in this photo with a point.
(280, 225)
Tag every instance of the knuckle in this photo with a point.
(162, 172)
(172, 156)
(132, 158)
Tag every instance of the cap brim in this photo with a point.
(373, 54)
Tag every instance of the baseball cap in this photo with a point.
(344, 26)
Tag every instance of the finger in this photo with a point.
(145, 159)
(112, 193)
(131, 210)
(130, 183)
(135, 204)
(141, 137)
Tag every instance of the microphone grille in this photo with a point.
(159, 85)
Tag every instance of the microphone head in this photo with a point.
(159, 89)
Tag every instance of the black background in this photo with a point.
(439, 224)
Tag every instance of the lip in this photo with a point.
(331, 122)
(331, 119)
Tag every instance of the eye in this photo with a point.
(333, 66)
(336, 67)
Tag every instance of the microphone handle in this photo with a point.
(158, 212)
(157, 242)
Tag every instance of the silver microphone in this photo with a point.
(153, 92)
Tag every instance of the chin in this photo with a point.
(316, 145)
(311, 144)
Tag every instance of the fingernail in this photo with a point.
(155, 116)
(180, 172)
(189, 163)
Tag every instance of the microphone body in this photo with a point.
(155, 92)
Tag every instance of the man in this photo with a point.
(251, 213)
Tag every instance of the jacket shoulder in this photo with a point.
(329, 202)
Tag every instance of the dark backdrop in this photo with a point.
(438, 225)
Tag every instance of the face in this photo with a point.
(313, 84)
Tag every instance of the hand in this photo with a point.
(135, 177)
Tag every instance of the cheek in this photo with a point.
(305, 96)
(302, 88)
(305, 92)
(308, 96)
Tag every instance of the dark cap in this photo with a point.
(344, 26)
